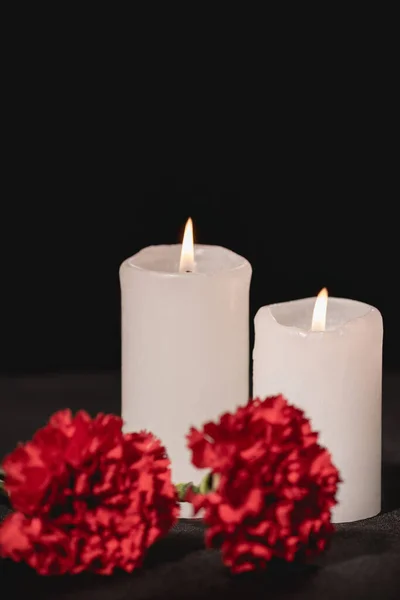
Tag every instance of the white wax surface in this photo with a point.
(185, 344)
(335, 376)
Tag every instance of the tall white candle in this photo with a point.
(185, 343)
(333, 372)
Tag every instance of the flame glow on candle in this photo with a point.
(319, 314)
(187, 263)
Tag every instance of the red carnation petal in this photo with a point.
(93, 498)
(61, 420)
(276, 484)
(45, 548)
(251, 506)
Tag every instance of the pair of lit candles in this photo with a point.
(185, 353)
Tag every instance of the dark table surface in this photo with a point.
(362, 563)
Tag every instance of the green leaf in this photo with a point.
(182, 489)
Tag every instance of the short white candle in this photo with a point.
(185, 342)
(333, 372)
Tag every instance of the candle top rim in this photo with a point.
(163, 259)
(346, 318)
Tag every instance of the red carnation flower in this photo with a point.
(88, 497)
(274, 486)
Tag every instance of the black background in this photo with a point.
(279, 136)
(290, 161)
(65, 297)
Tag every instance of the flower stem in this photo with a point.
(207, 484)
(182, 489)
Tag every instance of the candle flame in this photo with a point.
(319, 313)
(186, 263)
